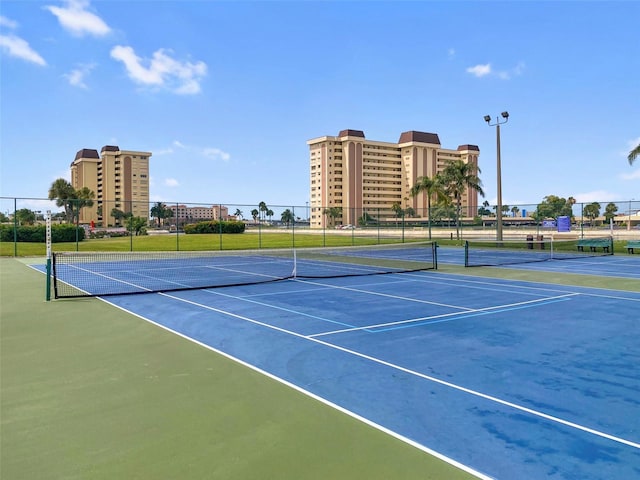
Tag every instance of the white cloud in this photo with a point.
(162, 71)
(216, 154)
(212, 153)
(7, 22)
(599, 196)
(171, 182)
(486, 70)
(519, 68)
(76, 19)
(66, 174)
(17, 47)
(165, 151)
(480, 70)
(631, 176)
(76, 76)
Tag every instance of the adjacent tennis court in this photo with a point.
(504, 379)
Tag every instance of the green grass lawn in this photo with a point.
(89, 391)
(247, 240)
(174, 242)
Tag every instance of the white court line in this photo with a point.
(387, 295)
(491, 281)
(323, 400)
(444, 315)
(418, 374)
(108, 277)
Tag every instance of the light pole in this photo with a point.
(487, 119)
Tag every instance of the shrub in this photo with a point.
(37, 233)
(215, 226)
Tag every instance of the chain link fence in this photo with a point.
(166, 225)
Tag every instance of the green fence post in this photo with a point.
(15, 227)
(220, 223)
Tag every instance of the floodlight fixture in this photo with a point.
(487, 118)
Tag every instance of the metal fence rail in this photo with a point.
(313, 226)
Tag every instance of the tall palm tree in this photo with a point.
(84, 198)
(159, 211)
(255, 214)
(238, 213)
(286, 217)
(633, 154)
(431, 187)
(64, 194)
(397, 209)
(458, 177)
(263, 209)
(333, 213)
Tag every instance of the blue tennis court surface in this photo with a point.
(508, 379)
(605, 266)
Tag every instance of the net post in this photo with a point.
(611, 243)
(435, 255)
(48, 243)
(294, 274)
(466, 253)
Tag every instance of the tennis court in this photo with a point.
(580, 263)
(504, 379)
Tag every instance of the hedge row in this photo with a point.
(215, 226)
(38, 233)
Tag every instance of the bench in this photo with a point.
(631, 244)
(594, 244)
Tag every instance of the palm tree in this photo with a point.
(269, 214)
(238, 213)
(286, 217)
(514, 211)
(333, 213)
(397, 209)
(64, 194)
(458, 177)
(255, 214)
(84, 198)
(159, 211)
(431, 187)
(633, 154)
(263, 209)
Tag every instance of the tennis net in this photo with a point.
(89, 274)
(485, 253)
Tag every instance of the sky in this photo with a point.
(226, 94)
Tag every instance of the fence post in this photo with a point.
(15, 227)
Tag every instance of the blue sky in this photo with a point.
(226, 94)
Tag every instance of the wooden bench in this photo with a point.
(631, 244)
(594, 244)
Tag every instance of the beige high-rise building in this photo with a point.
(118, 178)
(358, 176)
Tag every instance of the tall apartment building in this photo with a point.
(119, 179)
(368, 176)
